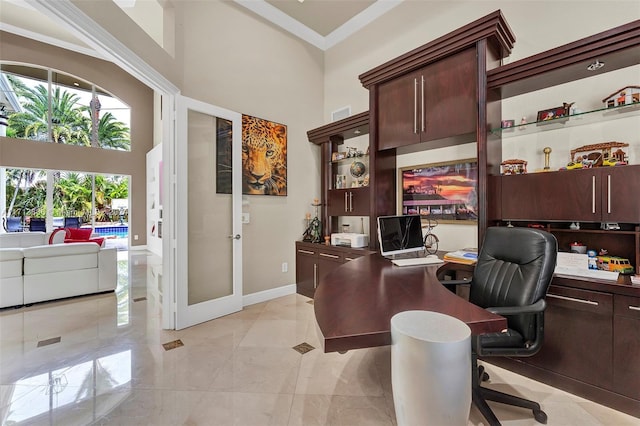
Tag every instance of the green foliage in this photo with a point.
(70, 121)
(71, 194)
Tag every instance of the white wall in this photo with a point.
(538, 26)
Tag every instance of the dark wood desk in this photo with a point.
(354, 303)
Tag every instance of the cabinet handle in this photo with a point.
(415, 105)
(608, 193)
(306, 251)
(634, 308)
(331, 256)
(346, 209)
(315, 276)
(593, 194)
(573, 299)
(422, 113)
(350, 201)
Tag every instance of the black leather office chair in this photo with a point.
(37, 224)
(514, 270)
(12, 224)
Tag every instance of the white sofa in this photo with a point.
(37, 273)
(29, 239)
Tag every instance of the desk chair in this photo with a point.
(37, 224)
(12, 224)
(514, 270)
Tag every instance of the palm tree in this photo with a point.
(68, 122)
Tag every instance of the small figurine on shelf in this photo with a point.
(514, 167)
(547, 151)
(313, 233)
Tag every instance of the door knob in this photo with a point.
(235, 237)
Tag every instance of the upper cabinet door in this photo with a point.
(435, 102)
(450, 104)
(566, 196)
(620, 191)
(398, 111)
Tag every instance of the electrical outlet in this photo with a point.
(245, 218)
(285, 266)
(135, 237)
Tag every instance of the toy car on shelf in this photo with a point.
(614, 264)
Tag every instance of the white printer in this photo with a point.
(349, 239)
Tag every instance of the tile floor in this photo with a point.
(100, 360)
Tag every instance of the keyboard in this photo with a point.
(417, 261)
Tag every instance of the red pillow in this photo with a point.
(79, 233)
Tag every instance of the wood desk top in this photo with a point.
(355, 302)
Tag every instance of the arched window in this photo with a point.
(49, 106)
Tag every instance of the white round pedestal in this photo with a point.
(430, 369)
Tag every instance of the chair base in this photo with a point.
(481, 395)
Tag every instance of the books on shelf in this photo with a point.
(466, 256)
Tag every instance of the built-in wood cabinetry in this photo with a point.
(626, 346)
(314, 261)
(348, 202)
(590, 195)
(437, 101)
(590, 324)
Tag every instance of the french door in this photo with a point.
(208, 238)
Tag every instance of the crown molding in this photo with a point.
(286, 22)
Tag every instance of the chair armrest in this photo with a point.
(455, 282)
(537, 307)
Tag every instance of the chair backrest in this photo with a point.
(38, 224)
(72, 222)
(13, 224)
(515, 267)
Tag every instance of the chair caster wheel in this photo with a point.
(540, 416)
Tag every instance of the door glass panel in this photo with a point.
(210, 215)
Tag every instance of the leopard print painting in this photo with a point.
(264, 157)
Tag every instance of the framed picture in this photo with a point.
(447, 192)
(505, 124)
(264, 157)
(341, 181)
(552, 114)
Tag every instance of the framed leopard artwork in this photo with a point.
(264, 157)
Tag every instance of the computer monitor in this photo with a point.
(400, 234)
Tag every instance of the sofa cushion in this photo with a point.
(60, 257)
(79, 233)
(22, 239)
(11, 263)
(11, 254)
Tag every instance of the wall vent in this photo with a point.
(341, 113)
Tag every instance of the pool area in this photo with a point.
(119, 231)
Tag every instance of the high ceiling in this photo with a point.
(322, 16)
(322, 23)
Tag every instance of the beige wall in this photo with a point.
(22, 153)
(236, 61)
(538, 26)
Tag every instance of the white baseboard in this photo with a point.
(263, 296)
(135, 248)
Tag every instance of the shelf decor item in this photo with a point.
(547, 152)
(514, 166)
(357, 169)
(628, 95)
(554, 113)
(605, 154)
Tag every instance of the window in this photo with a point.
(49, 106)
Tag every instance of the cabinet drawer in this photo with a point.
(334, 256)
(580, 300)
(626, 306)
(306, 252)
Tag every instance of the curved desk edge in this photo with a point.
(354, 303)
